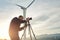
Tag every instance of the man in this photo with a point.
(15, 27)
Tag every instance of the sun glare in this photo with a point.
(4, 31)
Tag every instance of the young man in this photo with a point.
(15, 27)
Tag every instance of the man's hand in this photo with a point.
(27, 19)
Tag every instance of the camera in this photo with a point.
(30, 18)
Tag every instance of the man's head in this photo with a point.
(20, 17)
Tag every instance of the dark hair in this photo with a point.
(20, 16)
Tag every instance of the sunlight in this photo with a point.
(4, 31)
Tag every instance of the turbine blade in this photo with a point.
(30, 3)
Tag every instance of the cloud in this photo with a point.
(55, 28)
(48, 17)
(47, 14)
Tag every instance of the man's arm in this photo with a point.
(25, 26)
(23, 21)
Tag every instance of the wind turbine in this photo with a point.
(25, 8)
(24, 14)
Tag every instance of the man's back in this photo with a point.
(15, 24)
(15, 27)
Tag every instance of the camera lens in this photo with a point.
(30, 18)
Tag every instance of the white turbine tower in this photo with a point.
(24, 14)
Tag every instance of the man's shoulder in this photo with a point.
(15, 18)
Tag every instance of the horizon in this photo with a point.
(39, 36)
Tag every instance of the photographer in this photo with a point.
(15, 27)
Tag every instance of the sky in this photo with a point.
(45, 15)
